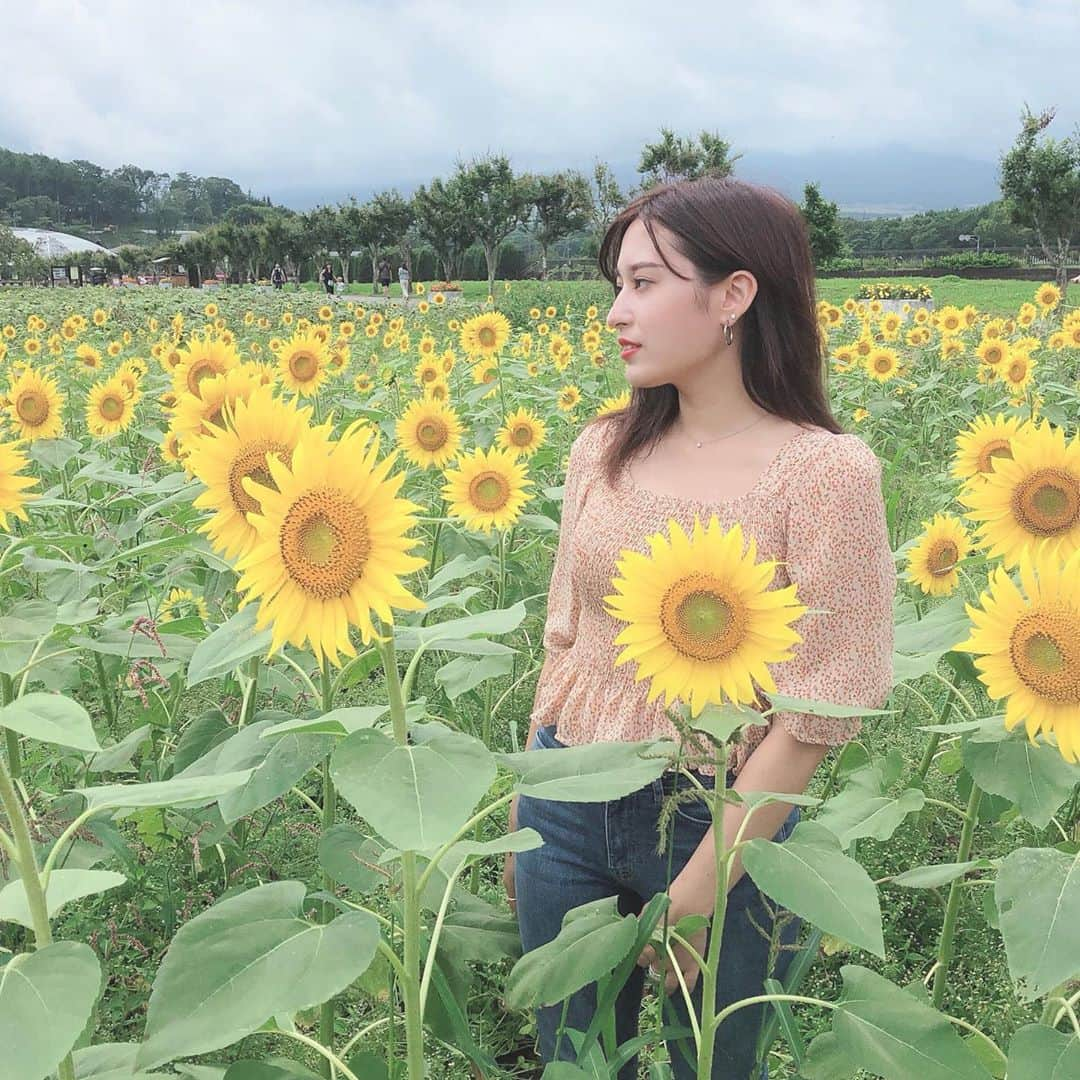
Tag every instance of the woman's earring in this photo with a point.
(729, 333)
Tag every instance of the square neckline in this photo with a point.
(763, 476)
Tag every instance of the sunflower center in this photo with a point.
(521, 435)
(325, 543)
(1017, 371)
(251, 461)
(942, 558)
(432, 433)
(112, 407)
(882, 364)
(304, 365)
(1047, 503)
(486, 336)
(489, 491)
(699, 620)
(429, 375)
(1045, 651)
(32, 407)
(995, 448)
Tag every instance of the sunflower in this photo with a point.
(13, 487)
(951, 320)
(568, 397)
(1047, 296)
(522, 434)
(427, 371)
(703, 623)
(984, 440)
(429, 433)
(88, 356)
(254, 429)
(932, 562)
(614, 404)
(35, 405)
(100, 317)
(1016, 374)
(487, 489)
(331, 545)
(1027, 646)
(882, 364)
(363, 383)
(1026, 315)
(992, 351)
(181, 603)
(302, 363)
(110, 408)
(202, 358)
(1032, 500)
(485, 334)
(200, 414)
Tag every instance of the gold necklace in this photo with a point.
(699, 443)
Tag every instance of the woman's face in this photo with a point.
(666, 331)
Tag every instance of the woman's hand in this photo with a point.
(687, 964)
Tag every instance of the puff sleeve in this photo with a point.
(838, 553)
(563, 606)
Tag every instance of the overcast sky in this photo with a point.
(290, 97)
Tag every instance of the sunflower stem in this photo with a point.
(251, 693)
(935, 736)
(329, 809)
(711, 971)
(952, 907)
(410, 976)
(11, 738)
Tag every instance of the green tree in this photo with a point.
(443, 222)
(560, 205)
(496, 202)
(823, 223)
(676, 157)
(1040, 180)
(607, 197)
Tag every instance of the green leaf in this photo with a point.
(811, 876)
(596, 772)
(783, 703)
(463, 674)
(108, 1061)
(351, 858)
(460, 566)
(228, 647)
(181, 791)
(51, 718)
(274, 1068)
(464, 850)
(481, 937)
(1035, 777)
(936, 875)
(117, 758)
(937, 632)
(64, 887)
(46, 998)
(592, 941)
(336, 722)
(200, 737)
(417, 796)
(1038, 896)
(722, 721)
(288, 760)
(863, 808)
(825, 1060)
(1037, 1052)
(456, 635)
(892, 1034)
(245, 960)
(119, 642)
(20, 633)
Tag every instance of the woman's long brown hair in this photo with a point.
(722, 226)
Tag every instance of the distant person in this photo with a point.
(326, 278)
(384, 277)
(277, 276)
(403, 280)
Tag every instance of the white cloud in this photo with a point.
(280, 95)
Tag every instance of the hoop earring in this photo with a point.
(729, 333)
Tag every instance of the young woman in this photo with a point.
(326, 276)
(729, 416)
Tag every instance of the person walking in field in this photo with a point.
(277, 276)
(404, 282)
(384, 277)
(728, 416)
(326, 278)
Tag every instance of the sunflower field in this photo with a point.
(274, 573)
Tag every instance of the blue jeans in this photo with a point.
(594, 850)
